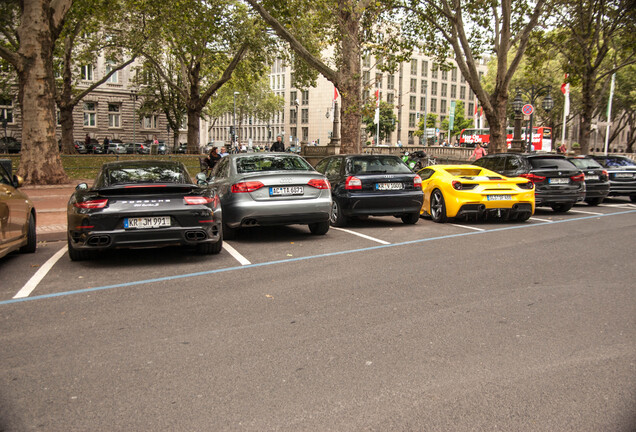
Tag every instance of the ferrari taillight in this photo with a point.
(249, 186)
(527, 185)
(353, 183)
(92, 204)
(196, 200)
(457, 185)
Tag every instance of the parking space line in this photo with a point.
(237, 256)
(541, 220)
(362, 235)
(626, 205)
(468, 227)
(586, 212)
(28, 288)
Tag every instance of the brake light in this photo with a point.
(457, 185)
(527, 185)
(92, 204)
(319, 183)
(533, 177)
(196, 200)
(605, 174)
(578, 177)
(417, 182)
(353, 183)
(249, 186)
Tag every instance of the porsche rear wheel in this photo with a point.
(438, 207)
(210, 248)
(77, 254)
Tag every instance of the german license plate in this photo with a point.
(591, 177)
(286, 190)
(389, 186)
(559, 181)
(147, 222)
(623, 175)
(499, 197)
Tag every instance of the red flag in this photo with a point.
(377, 98)
(335, 93)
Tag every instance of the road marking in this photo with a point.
(311, 257)
(541, 220)
(626, 205)
(468, 227)
(362, 235)
(586, 212)
(28, 288)
(237, 256)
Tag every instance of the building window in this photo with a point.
(293, 116)
(87, 73)
(423, 103)
(6, 110)
(433, 105)
(114, 78)
(90, 114)
(366, 78)
(293, 97)
(412, 103)
(366, 95)
(390, 82)
(453, 91)
(150, 122)
(471, 107)
(434, 71)
(378, 80)
(442, 106)
(462, 79)
(413, 85)
(390, 98)
(414, 67)
(462, 92)
(444, 89)
(305, 134)
(366, 61)
(304, 119)
(412, 118)
(434, 88)
(454, 74)
(423, 86)
(444, 74)
(305, 100)
(114, 117)
(424, 68)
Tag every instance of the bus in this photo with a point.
(541, 138)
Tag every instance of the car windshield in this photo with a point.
(378, 164)
(260, 163)
(584, 163)
(127, 174)
(555, 163)
(613, 162)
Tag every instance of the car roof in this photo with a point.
(142, 163)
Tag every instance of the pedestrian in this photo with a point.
(87, 141)
(106, 142)
(563, 149)
(479, 152)
(155, 141)
(212, 158)
(278, 146)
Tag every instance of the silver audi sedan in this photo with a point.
(267, 189)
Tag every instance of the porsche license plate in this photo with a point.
(389, 186)
(147, 222)
(286, 190)
(499, 197)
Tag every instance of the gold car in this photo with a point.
(452, 191)
(17, 215)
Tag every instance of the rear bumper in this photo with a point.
(549, 198)
(381, 205)
(481, 209)
(252, 213)
(596, 190)
(622, 188)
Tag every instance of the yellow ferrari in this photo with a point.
(453, 191)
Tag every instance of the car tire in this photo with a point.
(594, 201)
(411, 218)
(31, 244)
(229, 233)
(77, 254)
(438, 207)
(337, 218)
(633, 198)
(319, 228)
(210, 248)
(561, 207)
(522, 217)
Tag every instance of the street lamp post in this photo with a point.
(548, 103)
(133, 97)
(517, 142)
(234, 121)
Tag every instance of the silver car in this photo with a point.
(266, 189)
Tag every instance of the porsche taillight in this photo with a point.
(92, 204)
(197, 200)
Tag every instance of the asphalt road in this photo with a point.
(454, 327)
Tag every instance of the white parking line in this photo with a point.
(626, 205)
(540, 220)
(362, 235)
(28, 288)
(586, 212)
(468, 227)
(237, 256)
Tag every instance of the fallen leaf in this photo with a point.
(269, 296)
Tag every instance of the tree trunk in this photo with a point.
(587, 111)
(193, 130)
(68, 126)
(497, 122)
(40, 162)
(350, 71)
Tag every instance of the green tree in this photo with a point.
(461, 121)
(431, 123)
(387, 119)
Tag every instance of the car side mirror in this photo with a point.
(17, 181)
(81, 187)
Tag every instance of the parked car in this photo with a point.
(372, 185)
(17, 214)
(465, 190)
(269, 189)
(80, 147)
(137, 148)
(182, 148)
(116, 146)
(95, 147)
(558, 183)
(143, 204)
(622, 175)
(162, 149)
(10, 144)
(597, 183)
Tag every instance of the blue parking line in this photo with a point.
(290, 260)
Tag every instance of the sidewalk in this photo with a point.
(50, 209)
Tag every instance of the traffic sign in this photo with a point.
(527, 109)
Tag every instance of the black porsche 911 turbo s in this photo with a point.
(148, 203)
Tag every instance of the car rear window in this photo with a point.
(584, 163)
(271, 163)
(613, 162)
(381, 164)
(147, 174)
(544, 163)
